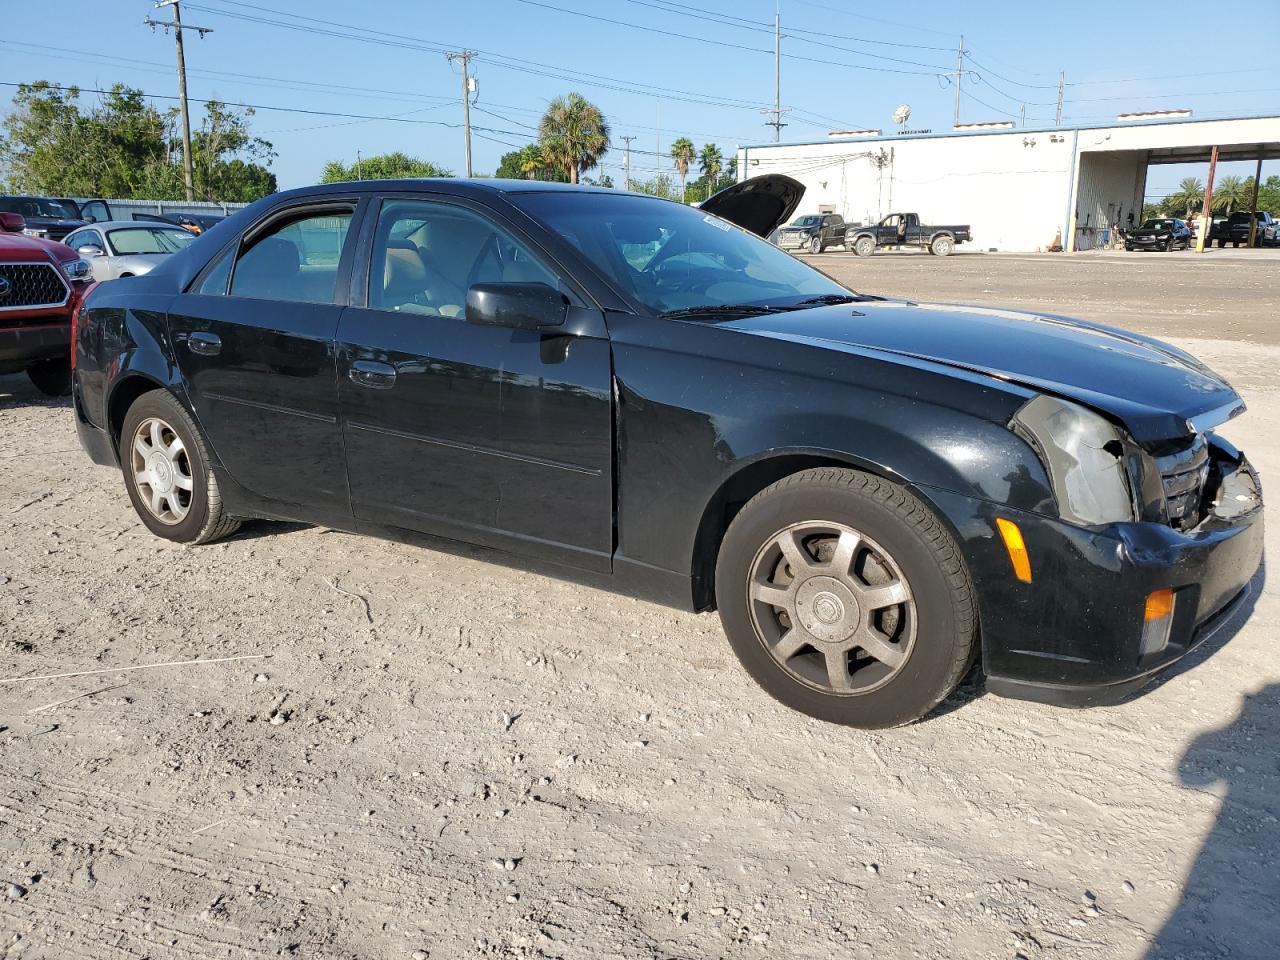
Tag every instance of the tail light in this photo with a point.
(75, 318)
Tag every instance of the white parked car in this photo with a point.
(126, 248)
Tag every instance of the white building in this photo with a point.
(1018, 189)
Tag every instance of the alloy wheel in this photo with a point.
(161, 470)
(832, 607)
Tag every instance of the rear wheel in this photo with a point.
(864, 246)
(846, 599)
(165, 462)
(942, 246)
(52, 377)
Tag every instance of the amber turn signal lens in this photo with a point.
(1013, 543)
(1159, 605)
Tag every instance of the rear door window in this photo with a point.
(296, 261)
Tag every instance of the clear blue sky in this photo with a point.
(1117, 56)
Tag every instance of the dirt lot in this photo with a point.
(468, 760)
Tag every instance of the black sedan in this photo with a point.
(873, 493)
(1162, 233)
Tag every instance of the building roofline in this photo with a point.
(1007, 131)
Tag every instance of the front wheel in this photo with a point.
(845, 598)
(166, 471)
(942, 246)
(864, 246)
(52, 377)
(815, 244)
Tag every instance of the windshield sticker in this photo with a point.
(718, 224)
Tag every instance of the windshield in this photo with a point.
(671, 258)
(1157, 224)
(809, 221)
(132, 240)
(39, 207)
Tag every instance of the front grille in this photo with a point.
(1183, 475)
(25, 286)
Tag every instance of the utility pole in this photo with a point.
(188, 166)
(955, 120)
(626, 163)
(1022, 115)
(1062, 83)
(1206, 221)
(359, 167)
(465, 57)
(776, 112)
(1253, 207)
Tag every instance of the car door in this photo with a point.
(479, 433)
(254, 338)
(99, 263)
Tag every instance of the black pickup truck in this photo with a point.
(903, 230)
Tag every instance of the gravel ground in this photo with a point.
(437, 756)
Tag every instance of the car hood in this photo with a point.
(760, 205)
(1154, 389)
(18, 246)
(1152, 232)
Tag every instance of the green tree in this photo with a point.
(1269, 195)
(683, 153)
(1188, 199)
(124, 147)
(383, 166)
(711, 162)
(573, 135)
(1231, 194)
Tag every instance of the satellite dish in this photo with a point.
(902, 114)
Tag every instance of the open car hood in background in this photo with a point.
(761, 204)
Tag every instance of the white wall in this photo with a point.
(1013, 196)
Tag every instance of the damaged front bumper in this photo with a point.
(1074, 634)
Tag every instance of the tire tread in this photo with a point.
(926, 525)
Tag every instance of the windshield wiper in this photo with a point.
(832, 298)
(738, 309)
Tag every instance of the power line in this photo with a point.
(532, 67)
(729, 44)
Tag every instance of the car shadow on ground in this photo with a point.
(16, 390)
(1231, 897)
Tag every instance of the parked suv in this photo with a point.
(46, 217)
(813, 232)
(41, 283)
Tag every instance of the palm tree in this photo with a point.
(712, 162)
(682, 152)
(531, 161)
(1231, 194)
(573, 135)
(1189, 197)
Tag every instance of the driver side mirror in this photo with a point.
(90, 250)
(519, 306)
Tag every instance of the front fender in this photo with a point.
(690, 421)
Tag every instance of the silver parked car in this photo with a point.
(126, 248)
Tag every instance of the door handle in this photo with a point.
(373, 374)
(205, 344)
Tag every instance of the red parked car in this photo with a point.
(41, 284)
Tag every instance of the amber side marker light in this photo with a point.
(1157, 620)
(1017, 549)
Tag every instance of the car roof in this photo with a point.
(118, 224)
(456, 185)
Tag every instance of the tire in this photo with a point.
(864, 246)
(52, 377)
(815, 244)
(1166, 246)
(927, 640)
(942, 246)
(192, 514)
